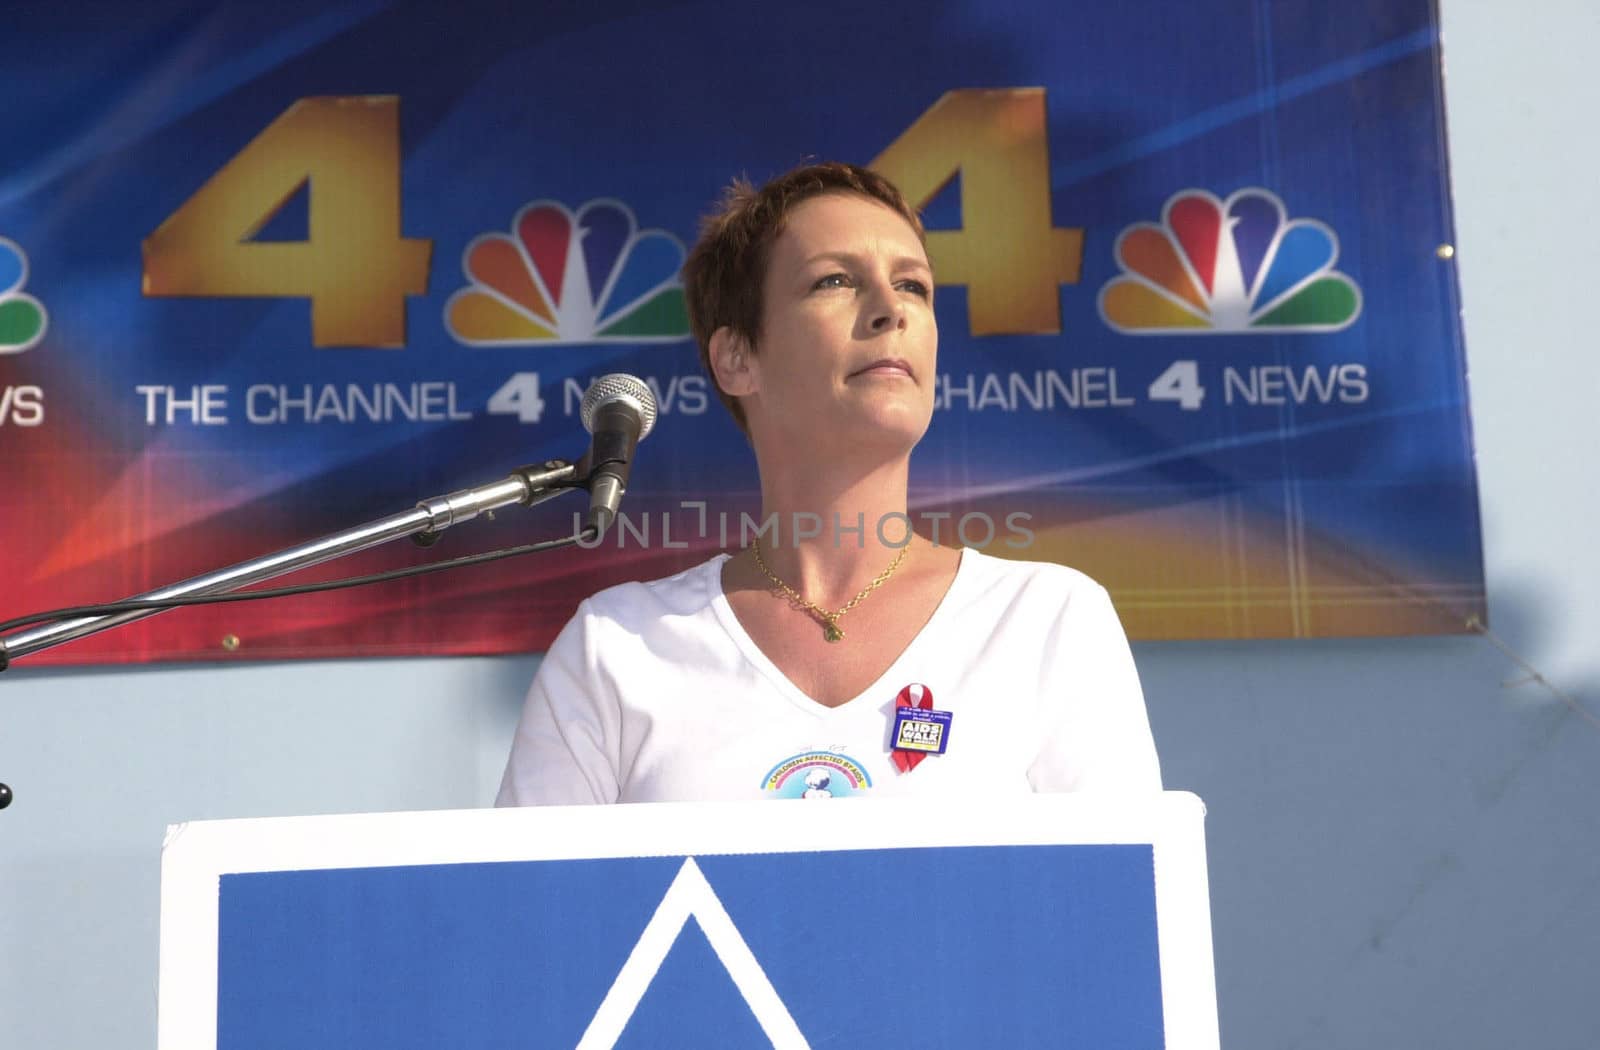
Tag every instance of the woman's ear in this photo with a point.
(732, 363)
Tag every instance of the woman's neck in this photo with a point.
(831, 529)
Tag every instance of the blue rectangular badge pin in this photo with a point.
(922, 730)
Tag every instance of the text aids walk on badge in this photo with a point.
(919, 730)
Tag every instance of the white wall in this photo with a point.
(1404, 853)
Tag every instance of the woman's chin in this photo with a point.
(893, 411)
(892, 431)
(885, 430)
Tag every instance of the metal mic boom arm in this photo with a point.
(528, 486)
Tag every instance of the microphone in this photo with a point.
(618, 411)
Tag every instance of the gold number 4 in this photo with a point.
(1007, 253)
(354, 265)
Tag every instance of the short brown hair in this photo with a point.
(725, 271)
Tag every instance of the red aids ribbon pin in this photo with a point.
(913, 695)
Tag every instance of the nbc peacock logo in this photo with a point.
(1235, 266)
(561, 277)
(22, 317)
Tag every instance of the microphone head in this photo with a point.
(618, 388)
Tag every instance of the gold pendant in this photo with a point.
(831, 632)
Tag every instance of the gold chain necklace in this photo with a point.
(830, 620)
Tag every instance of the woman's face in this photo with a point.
(848, 340)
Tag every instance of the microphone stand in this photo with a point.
(528, 486)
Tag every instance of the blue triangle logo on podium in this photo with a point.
(691, 896)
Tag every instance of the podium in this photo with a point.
(1038, 921)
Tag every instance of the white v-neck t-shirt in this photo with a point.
(655, 692)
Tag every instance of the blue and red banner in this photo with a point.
(267, 271)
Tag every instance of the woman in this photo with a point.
(796, 667)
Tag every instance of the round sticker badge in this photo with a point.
(816, 775)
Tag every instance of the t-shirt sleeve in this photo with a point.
(565, 748)
(1096, 733)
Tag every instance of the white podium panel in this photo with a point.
(1051, 920)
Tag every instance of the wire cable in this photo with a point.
(76, 612)
(1534, 675)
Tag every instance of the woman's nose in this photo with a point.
(885, 311)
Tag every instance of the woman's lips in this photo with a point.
(886, 367)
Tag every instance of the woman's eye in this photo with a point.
(833, 280)
(916, 288)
